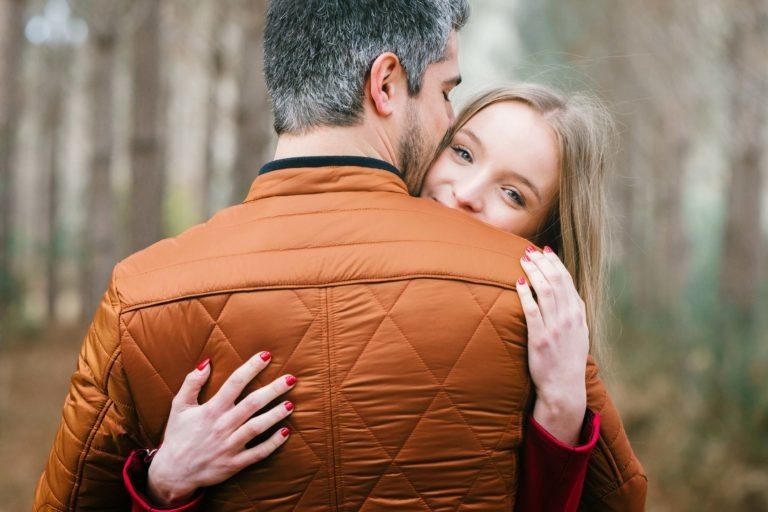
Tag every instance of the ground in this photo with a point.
(34, 378)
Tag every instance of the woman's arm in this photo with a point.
(561, 433)
(205, 444)
(558, 343)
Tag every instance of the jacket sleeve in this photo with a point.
(616, 481)
(98, 428)
(135, 477)
(553, 473)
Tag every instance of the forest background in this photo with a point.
(126, 121)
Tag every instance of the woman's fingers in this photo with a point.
(561, 285)
(552, 257)
(261, 423)
(259, 398)
(573, 305)
(263, 450)
(240, 378)
(193, 383)
(530, 309)
(545, 292)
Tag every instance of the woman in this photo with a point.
(529, 162)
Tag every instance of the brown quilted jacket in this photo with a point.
(398, 316)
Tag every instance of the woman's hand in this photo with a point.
(206, 444)
(558, 344)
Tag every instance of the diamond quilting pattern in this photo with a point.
(443, 393)
(382, 390)
(375, 408)
(467, 381)
(458, 467)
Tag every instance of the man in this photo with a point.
(407, 338)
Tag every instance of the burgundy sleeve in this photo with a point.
(552, 472)
(135, 479)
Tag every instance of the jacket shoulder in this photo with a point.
(306, 241)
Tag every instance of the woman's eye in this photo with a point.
(514, 196)
(462, 153)
(445, 95)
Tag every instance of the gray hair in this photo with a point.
(318, 53)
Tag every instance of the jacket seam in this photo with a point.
(312, 247)
(617, 488)
(84, 454)
(329, 413)
(296, 286)
(334, 390)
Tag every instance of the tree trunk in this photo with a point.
(742, 245)
(99, 247)
(217, 67)
(740, 275)
(11, 47)
(147, 151)
(58, 63)
(253, 113)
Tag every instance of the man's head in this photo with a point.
(323, 57)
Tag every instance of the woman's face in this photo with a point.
(501, 167)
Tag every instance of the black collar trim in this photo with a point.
(328, 161)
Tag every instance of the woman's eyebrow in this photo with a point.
(469, 133)
(525, 181)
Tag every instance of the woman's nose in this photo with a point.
(468, 198)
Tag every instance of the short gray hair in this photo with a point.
(318, 53)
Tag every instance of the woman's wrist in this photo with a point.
(168, 488)
(561, 415)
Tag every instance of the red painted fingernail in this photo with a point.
(285, 431)
(521, 280)
(265, 356)
(548, 249)
(205, 362)
(288, 406)
(290, 380)
(525, 258)
(530, 249)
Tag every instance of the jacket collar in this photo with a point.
(324, 174)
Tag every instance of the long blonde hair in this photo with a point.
(577, 226)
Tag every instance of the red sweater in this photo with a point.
(552, 472)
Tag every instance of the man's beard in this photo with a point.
(415, 152)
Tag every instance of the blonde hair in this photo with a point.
(576, 228)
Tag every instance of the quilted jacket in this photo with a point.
(398, 316)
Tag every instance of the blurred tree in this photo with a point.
(57, 33)
(57, 61)
(253, 137)
(147, 141)
(740, 271)
(11, 46)
(217, 64)
(637, 57)
(99, 251)
(747, 57)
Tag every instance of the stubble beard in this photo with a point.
(415, 152)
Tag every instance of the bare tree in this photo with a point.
(147, 142)
(217, 68)
(57, 61)
(99, 251)
(748, 87)
(11, 46)
(253, 114)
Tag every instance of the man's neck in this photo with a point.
(358, 140)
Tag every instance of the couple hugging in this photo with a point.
(399, 316)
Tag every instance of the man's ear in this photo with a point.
(387, 82)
